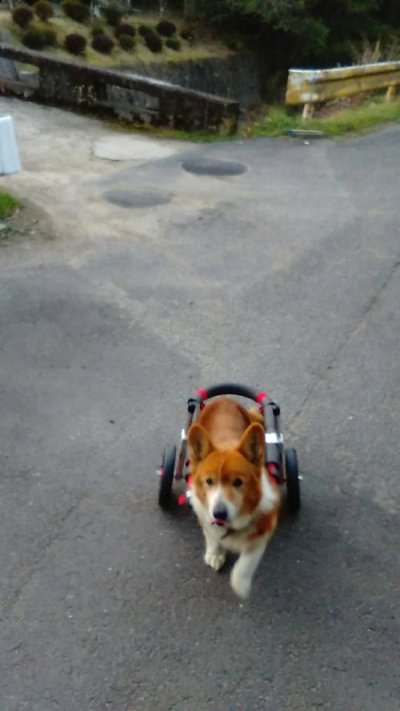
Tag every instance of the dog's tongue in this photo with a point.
(218, 522)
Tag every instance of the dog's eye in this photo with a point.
(237, 483)
(209, 481)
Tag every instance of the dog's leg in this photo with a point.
(244, 569)
(214, 555)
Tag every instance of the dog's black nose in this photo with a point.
(220, 512)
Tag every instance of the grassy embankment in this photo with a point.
(200, 47)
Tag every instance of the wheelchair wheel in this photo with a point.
(167, 477)
(292, 480)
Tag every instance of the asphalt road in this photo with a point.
(285, 277)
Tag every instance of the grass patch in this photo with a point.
(371, 113)
(168, 133)
(8, 205)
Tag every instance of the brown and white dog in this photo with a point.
(233, 496)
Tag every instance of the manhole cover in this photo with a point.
(201, 166)
(124, 198)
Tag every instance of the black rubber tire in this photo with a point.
(292, 480)
(167, 477)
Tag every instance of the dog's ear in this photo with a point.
(199, 442)
(252, 444)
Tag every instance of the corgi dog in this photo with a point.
(234, 498)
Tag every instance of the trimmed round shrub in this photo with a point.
(124, 28)
(112, 13)
(126, 42)
(166, 28)
(145, 30)
(173, 43)
(51, 36)
(75, 43)
(43, 9)
(232, 43)
(97, 29)
(22, 16)
(153, 42)
(34, 39)
(76, 10)
(187, 35)
(103, 44)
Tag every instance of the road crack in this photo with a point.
(369, 308)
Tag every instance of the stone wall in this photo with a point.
(131, 96)
(237, 76)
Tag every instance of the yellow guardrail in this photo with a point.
(308, 87)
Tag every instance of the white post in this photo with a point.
(9, 158)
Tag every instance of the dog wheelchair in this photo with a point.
(281, 462)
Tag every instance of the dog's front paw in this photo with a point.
(215, 559)
(240, 584)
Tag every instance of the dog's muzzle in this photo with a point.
(220, 515)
